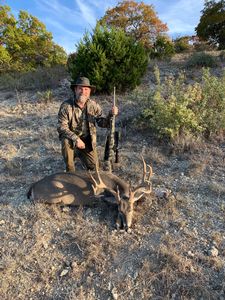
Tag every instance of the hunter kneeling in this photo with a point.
(77, 119)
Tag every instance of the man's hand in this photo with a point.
(80, 144)
(115, 110)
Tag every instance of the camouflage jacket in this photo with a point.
(68, 124)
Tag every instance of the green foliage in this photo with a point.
(181, 44)
(45, 97)
(211, 109)
(168, 110)
(109, 58)
(201, 59)
(27, 42)
(5, 59)
(177, 109)
(211, 27)
(162, 48)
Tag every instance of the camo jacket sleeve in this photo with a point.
(101, 120)
(65, 117)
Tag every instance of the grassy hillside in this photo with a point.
(176, 247)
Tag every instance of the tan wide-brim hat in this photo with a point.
(82, 81)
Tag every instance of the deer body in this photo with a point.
(82, 188)
(73, 189)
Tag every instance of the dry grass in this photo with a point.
(53, 252)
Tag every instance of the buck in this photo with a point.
(85, 188)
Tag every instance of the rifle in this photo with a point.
(110, 143)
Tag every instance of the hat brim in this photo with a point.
(92, 87)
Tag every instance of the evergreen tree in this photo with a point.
(109, 58)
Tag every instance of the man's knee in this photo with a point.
(67, 144)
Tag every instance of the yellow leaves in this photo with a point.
(137, 19)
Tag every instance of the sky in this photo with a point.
(68, 20)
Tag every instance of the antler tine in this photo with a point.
(142, 189)
(96, 185)
(145, 173)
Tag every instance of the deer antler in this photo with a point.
(97, 187)
(146, 185)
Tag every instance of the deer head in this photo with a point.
(126, 200)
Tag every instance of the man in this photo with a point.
(77, 119)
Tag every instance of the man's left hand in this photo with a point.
(115, 110)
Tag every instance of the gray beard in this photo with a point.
(81, 99)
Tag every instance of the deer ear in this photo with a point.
(138, 193)
(138, 196)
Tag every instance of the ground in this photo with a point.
(175, 249)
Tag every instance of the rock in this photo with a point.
(213, 252)
(64, 272)
(115, 294)
(74, 265)
(66, 209)
(190, 254)
(45, 245)
(162, 193)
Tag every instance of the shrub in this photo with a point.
(177, 109)
(169, 111)
(211, 109)
(109, 58)
(162, 48)
(181, 44)
(45, 97)
(201, 59)
(204, 46)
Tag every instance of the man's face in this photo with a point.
(82, 93)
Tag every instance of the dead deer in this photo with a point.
(82, 188)
(124, 194)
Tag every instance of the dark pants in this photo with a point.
(88, 156)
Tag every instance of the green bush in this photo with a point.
(211, 109)
(201, 59)
(45, 97)
(181, 44)
(168, 111)
(109, 58)
(162, 48)
(178, 109)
